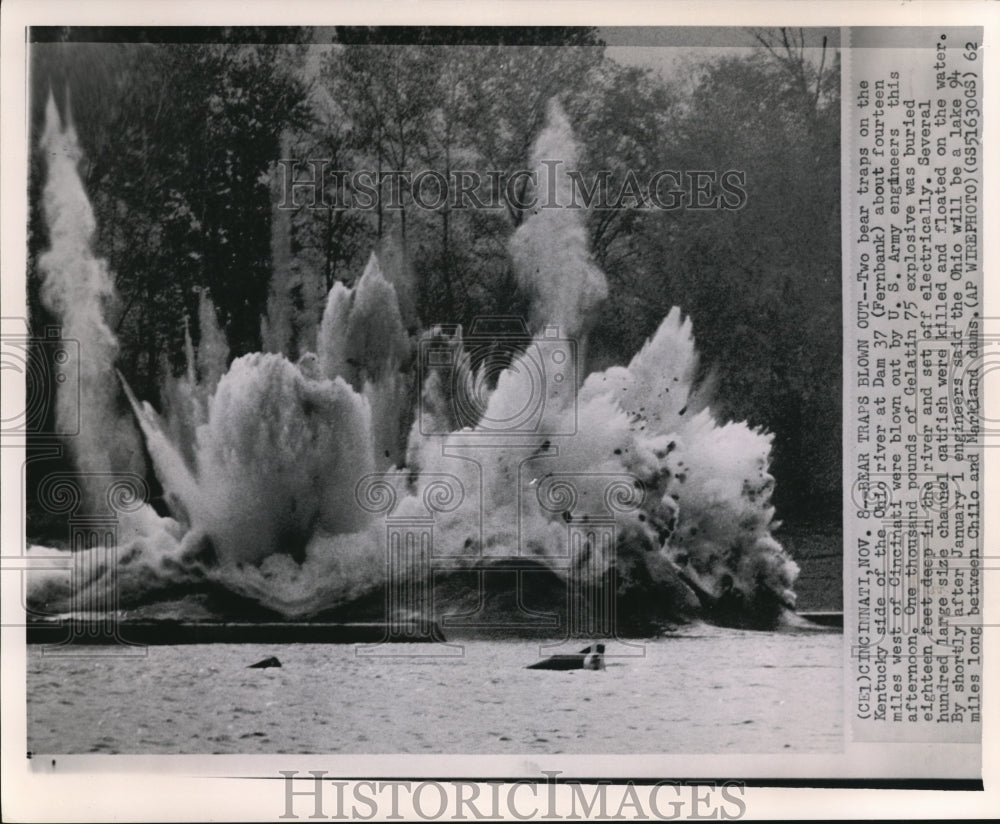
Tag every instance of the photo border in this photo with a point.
(238, 787)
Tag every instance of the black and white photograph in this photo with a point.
(484, 396)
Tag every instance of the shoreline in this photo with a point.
(67, 632)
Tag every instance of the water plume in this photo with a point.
(77, 288)
(362, 339)
(550, 249)
(271, 459)
(186, 397)
(361, 336)
(260, 460)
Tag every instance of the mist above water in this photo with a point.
(280, 475)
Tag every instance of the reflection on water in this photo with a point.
(703, 690)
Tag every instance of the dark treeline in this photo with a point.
(181, 134)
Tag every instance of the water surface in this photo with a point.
(704, 690)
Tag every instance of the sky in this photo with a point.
(668, 49)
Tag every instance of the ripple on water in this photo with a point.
(184, 698)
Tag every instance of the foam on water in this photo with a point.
(260, 463)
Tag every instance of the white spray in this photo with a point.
(265, 489)
(78, 288)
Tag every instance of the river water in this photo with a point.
(701, 690)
